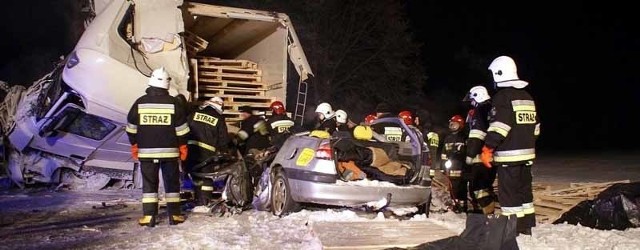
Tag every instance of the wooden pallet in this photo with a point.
(230, 70)
(551, 204)
(212, 61)
(228, 77)
(194, 43)
(248, 99)
(230, 84)
(210, 91)
(255, 106)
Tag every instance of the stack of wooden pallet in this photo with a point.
(237, 82)
(551, 204)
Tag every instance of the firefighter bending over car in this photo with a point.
(157, 129)
(254, 133)
(326, 118)
(511, 140)
(279, 124)
(208, 137)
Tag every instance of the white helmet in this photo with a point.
(341, 116)
(214, 102)
(478, 94)
(159, 78)
(505, 73)
(326, 110)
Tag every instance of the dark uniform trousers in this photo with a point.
(481, 192)
(150, 182)
(515, 193)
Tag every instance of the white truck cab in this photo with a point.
(78, 111)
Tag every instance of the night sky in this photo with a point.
(581, 59)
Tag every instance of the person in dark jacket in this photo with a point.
(254, 131)
(326, 118)
(511, 140)
(209, 136)
(280, 125)
(157, 129)
(480, 178)
(342, 119)
(453, 161)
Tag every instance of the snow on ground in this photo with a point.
(562, 236)
(63, 219)
(550, 236)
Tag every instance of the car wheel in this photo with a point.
(281, 201)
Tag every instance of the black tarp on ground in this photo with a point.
(618, 207)
(482, 232)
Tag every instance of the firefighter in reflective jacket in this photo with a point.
(157, 129)
(254, 133)
(453, 161)
(280, 125)
(480, 178)
(511, 139)
(208, 137)
(432, 139)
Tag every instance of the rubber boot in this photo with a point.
(147, 220)
(175, 216)
(176, 219)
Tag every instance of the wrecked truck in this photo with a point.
(71, 122)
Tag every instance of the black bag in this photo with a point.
(618, 207)
(490, 232)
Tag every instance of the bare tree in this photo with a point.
(361, 51)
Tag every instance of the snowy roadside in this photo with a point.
(76, 220)
(561, 236)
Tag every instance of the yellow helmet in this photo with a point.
(320, 134)
(363, 133)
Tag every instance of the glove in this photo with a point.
(134, 151)
(183, 152)
(486, 156)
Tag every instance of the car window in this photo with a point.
(86, 125)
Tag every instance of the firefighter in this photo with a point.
(407, 117)
(254, 131)
(157, 129)
(342, 121)
(326, 118)
(208, 137)
(480, 178)
(432, 139)
(369, 119)
(453, 161)
(510, 142)
(279, 124)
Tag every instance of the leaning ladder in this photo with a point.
(301, 102)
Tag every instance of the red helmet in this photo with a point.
(277, 108)
(406, 116)
(457, 119)
(369, 119)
